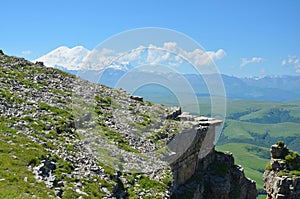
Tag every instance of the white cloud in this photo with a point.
(252, 60)
(26, 52)
(167, 54)
(292, 61)
(174, 55)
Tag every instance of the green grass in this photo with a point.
(238, 105)
(142, 182)
(50, 129)
(16, 153)
(242, 130)
(261, 196)
(117, 138)
(289, 173)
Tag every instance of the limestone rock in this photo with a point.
(279, 182)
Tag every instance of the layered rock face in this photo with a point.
(282, 180)
(201, 172)
(76, 139)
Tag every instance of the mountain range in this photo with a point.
(274, 88)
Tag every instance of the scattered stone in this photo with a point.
(137, 98)
(137, 129)
(39, 63)
(174, 113)
(81, 192)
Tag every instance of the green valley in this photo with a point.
(251, 127)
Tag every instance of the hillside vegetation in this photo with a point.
(253, 126)
(52, 124)
(64, 137)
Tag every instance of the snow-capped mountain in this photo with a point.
(69, 58)
(169, 54)
(77, 58)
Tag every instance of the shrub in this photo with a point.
(296, 172)
(280, 144)
(268, 166)
(291, 157)
(288, 173)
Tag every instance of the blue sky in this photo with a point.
(259, 37)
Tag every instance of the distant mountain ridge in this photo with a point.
(283, 88)
(274, 88)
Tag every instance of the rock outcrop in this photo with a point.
(76, 139)
(201, 172)
(282, 175)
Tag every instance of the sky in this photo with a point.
(258, 37)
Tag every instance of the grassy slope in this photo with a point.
(239, 132)
(18, 151)
(13, 167)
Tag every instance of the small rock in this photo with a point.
(81, 192)
(137, 98)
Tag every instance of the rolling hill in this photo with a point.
(253, 126)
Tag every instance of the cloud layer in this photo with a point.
(292, 61)
(252, 60)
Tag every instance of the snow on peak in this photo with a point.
(69, 58)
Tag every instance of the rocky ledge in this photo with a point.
(282, 175)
